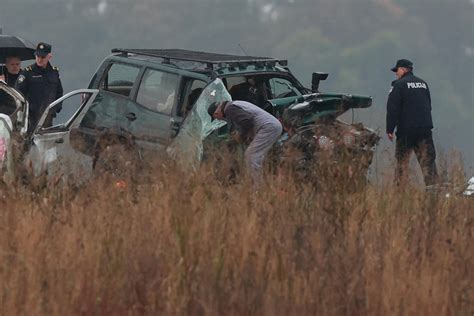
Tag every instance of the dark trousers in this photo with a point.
(422, 143)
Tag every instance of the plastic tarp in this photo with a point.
(187, 147)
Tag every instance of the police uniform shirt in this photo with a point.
(409, 106)
(40, 86)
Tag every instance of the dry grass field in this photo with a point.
(193, 245)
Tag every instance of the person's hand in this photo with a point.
(390, 136)
(236, 137)
(2, 77)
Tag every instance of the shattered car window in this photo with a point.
(187, 147)
(282, 88)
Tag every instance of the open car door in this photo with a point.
(6, 157)
(13, 130)
(187, 146)
(51, 152)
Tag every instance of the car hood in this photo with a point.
(314, 106)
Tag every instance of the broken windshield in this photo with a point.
(187, 148)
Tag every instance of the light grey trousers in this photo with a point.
(266, 136)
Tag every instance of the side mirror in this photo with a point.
(316, 78)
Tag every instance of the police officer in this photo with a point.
(409, 112)
(41, 85)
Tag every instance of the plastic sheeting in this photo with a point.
(187, 147)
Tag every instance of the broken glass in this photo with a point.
(187, 147)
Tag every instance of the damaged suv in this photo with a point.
(143, 101)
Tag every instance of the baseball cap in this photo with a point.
(402, 63)
(42, 49)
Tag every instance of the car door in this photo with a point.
(187, 147)
(6, 157)
(111, 114)
(13, 128)
(50, 151)
(157, 97)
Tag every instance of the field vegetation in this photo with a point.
(195, 244)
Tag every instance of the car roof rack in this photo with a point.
(210, 59)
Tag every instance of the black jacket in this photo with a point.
(40, 87)
(10, 79)
(409, 106)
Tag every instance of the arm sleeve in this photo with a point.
(240, 119)
(393, 109)
(429, 94)
(21, 84)
(59, 93)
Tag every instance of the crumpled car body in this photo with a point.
(315, 135)
(55, 151)
(13, 130)
(318, 139)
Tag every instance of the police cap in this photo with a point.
(402, 63)
(42, 49)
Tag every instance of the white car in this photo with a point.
(13, 129)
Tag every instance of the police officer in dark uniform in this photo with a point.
(409, 112)
(41, 85)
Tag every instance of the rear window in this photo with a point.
(119, 79)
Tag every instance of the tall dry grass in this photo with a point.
(191, 244)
